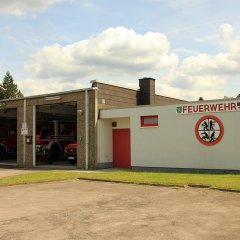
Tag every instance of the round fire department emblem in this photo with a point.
(209, 130)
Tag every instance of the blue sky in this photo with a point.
(191, 47)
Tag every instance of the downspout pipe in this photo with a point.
(34, 136)
(86, 130)
(24, 120)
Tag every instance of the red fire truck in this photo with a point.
(51, 139)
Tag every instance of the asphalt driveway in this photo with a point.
(96, 210)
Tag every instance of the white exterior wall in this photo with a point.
(173, 144)
(104, 141)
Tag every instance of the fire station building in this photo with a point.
(114, 126)
(82, 106)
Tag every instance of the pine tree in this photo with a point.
(8, 88)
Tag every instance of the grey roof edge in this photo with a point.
(48, 94)
(172, 104)
(112, 85)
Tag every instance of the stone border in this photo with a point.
(137, 183)
(199, 185)
(162, 185)
(225, 190)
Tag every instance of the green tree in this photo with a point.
(8, 88)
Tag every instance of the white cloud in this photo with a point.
(226, 31)
(120, 55)
(34, 87)
(115, 51)
(223, 63)
(16, 7)
(184, 50)
(204, 74)
(189, 87)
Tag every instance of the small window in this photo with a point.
(149, 121)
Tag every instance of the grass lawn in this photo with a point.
(226, 181)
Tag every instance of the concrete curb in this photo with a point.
(214, 188)
(162, 185)
(199, 185)
(137, 183)
(225, 190)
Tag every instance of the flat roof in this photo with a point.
(176, 104)
(47, 94)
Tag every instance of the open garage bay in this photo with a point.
(8, 136)
(56, 126)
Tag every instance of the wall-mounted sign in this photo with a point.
(209, 130)
(232, 106)
(24, 129)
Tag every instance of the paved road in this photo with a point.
(95, 210)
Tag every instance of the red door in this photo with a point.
(121, 148)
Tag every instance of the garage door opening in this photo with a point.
(56, 134)
(8, 136)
